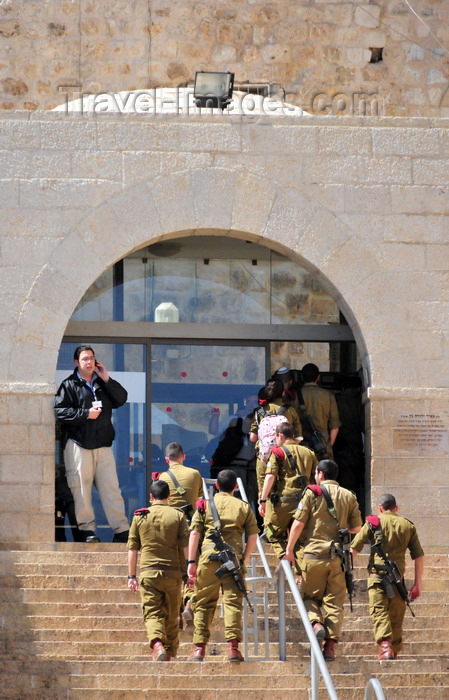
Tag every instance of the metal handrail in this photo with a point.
(316, 656)
(317, 662)
(374, 688)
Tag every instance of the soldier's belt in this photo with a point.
(322, 556)
(290, 499)
(161, 567)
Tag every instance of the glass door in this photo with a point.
(196, 389)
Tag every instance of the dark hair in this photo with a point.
(173, 451)
(274, 390)
(226, 480)
(285, 429)
(160, 490)
(80, 349)
(310, 372)
(329, 468)
(387, 501)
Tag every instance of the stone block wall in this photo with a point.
(362, 204)
(324, 55)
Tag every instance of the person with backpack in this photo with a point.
(289, 470)
(325, 510)
(271, 412)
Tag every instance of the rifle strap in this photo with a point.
(375, 527)
(294, 465)
(215, 516)
(330, 504)
(304, 415)
(180, 489)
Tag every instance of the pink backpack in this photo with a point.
(266, 432)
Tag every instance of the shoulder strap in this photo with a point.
(214, 512)
(294, 466)
(375, 527)
(282, 409)
(261, 412)
(330, 503)
(180, 489)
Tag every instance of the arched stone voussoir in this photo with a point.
(213, 196)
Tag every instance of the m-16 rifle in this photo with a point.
(391, 576)
(229, 563)
(347, 564)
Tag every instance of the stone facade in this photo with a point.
(363, 204)
(323, 55)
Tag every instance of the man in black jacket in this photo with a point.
(83, 407)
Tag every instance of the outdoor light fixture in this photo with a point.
(213, 89)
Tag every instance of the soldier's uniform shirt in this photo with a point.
(322, 407)
(190, 479)
(272, 408)
(288, 486)
(398, 535)
(236, 520)
(160, 536)
(323, 581)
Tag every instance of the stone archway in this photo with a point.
(213, 201)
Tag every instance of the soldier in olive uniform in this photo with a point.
(189, 479)
(160, 533)
(283, 487)
(321, 406)
(396, 535)
(236, 519)
(271, 403)
(182, 496)
(323, 580)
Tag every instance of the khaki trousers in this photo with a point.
(324, 586)
(276, 523)
(161, 601)
(387, 614)
(85, 468)
(205, 598)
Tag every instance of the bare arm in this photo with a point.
(192, 550)
(250, 544)
(295, 531)
(333, 435)
(133, 584)
(415, 590)
(267, 486)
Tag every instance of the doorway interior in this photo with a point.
(193, 327)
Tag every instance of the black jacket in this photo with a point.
(72, 403)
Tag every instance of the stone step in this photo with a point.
(130, 618)
(69, 649)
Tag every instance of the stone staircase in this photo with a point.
(71, 630)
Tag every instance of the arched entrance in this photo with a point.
(193, 327)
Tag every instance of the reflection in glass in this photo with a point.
(265, 289)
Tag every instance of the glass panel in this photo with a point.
(329, 357)
(213, 283)
(196, 389)
(126, 363)
(97, 303)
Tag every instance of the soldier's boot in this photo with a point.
(159, 652)
(329, 650)
(387, 653)
(319, 631)
(187, 615)
(233, 651)
(198, 652)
